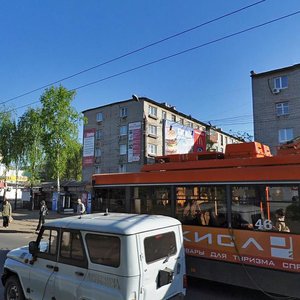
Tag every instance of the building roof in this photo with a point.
(166, 107)
(114, 223)
(289, 68)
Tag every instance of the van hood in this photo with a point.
(20, 254)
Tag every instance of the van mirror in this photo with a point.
(33, 248)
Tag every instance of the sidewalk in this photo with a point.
(25, 221)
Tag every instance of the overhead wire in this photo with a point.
(178, 53)
(134, 51)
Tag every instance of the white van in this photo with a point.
(100, 256)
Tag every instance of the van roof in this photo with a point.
(115, 223)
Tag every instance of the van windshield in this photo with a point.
(160, 246)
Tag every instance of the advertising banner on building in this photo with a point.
(262, 249)
(199, 140)
(181, 139)
(134, 141)
(88, 146)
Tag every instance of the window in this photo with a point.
(202, 205)
(104, 249)
(98, 134)
(281, 82)
(152, 149)
(153, 130)
(160, 246)
(71, 249)
(245, 207)
(71, 245)
(97, 152)
(284, 208)
(181, 121)
(152, 111)
(222, 140)
(285, 135)
(152, 200)
(164, 115)
(189, 124)
(97, 169)
(99, 117)
(123, 130)
(122, 169)
(282, 108)
(123, 112)
(48, 244)
(266, 208)
(173, 118)
(123, 149)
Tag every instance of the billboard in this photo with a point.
(88, 146)
(180, 139)
(134, 141)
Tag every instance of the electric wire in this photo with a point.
(134, 51)
(178, 53)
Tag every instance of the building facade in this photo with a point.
(276, 106)
(123, 136)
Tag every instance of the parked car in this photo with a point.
(100, 256)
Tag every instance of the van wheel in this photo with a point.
(13, 289)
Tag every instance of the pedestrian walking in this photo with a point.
(80, 207)
(42, 215)
(6, 213)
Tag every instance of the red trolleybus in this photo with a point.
(240, 211)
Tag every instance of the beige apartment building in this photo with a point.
(122, 136)
(276, 105)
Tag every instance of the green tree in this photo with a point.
(6, 141)
(60, 126)
(6, 126)
(74, 162)
(30, 125)
(11, 145)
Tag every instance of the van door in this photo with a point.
(162, 261)
(71, 267)
(44, 266)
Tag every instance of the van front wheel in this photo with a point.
(13, 289)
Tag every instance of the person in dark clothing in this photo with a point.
(43, 213)
(6, 213)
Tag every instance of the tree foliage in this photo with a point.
(60, 128)
(6, 139)
(30, 125)
(44, 140)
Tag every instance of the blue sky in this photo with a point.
(45, 41)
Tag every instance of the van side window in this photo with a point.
(48, 244)
(104, 249)
(71, 249)
(160, 246)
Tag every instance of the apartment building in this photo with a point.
(122, 136)
(276, 105)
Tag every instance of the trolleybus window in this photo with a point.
(246, 207)
(110, 198)
(268, 208)
(201, 205)
(152, 200)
